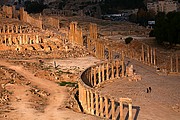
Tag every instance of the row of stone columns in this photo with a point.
(10, 11)
(93, 31)
(11, 29)
(106, 71)
(19, 39)
(99, 50)
(148, 55)
(72, 31)
(99, 105)
(75, 35)
(79, 37)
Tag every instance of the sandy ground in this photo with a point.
(163, 103)
(55, 101)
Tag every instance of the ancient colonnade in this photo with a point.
(148, 55)
(15, 28)
(94, 102)
(19, 39)
(75, 34)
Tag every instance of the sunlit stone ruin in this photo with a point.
(37, 41)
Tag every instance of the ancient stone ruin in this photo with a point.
(41, 36)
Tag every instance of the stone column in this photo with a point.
(4, 29)
(7, 28)
(97, 104)
(113, 109)
(37, 39)
(91, 80)
(103, 72)
(117, 69)
(112, 69)
(26, 39)
(107, 71)
(123, 69)
(23, 39)
(177, 65)
(92, 103)
(20, 29)
(88, 102)
(20, 40)
(16, 28)
(154, 56)
(151, 56)
(88, 43)
(101, 107)
(95, 76)
(106, 107)
(99, 74)
(142, 53)
(171, 63)
(121, 110)
(90, 31)
(103, 51)
(148, 55)
(10, 40)
(85, 98)
(130, 111)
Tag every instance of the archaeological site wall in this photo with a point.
(58, 12)
(27, 32)
(25, 17)
(11, 12)
(50, 21)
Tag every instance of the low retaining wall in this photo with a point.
(95, 103)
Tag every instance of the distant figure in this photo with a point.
(147, 90)
(150, 89)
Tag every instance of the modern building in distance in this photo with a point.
(163, 6)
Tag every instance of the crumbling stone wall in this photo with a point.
(25, 17)
(8, 11)
(50, 21)
(58, 12)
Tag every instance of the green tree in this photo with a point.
(167, 28)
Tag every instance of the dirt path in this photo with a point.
(57, 98)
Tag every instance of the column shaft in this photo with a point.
(95, 76)
(97, 104)
(106, 108)
(101, 107)
(121, 110)
(113, 109)
(130, 111)
(177, 65)
(92, 103)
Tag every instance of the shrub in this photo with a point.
(128, 40)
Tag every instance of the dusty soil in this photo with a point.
(35, 98)
(162, 103)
